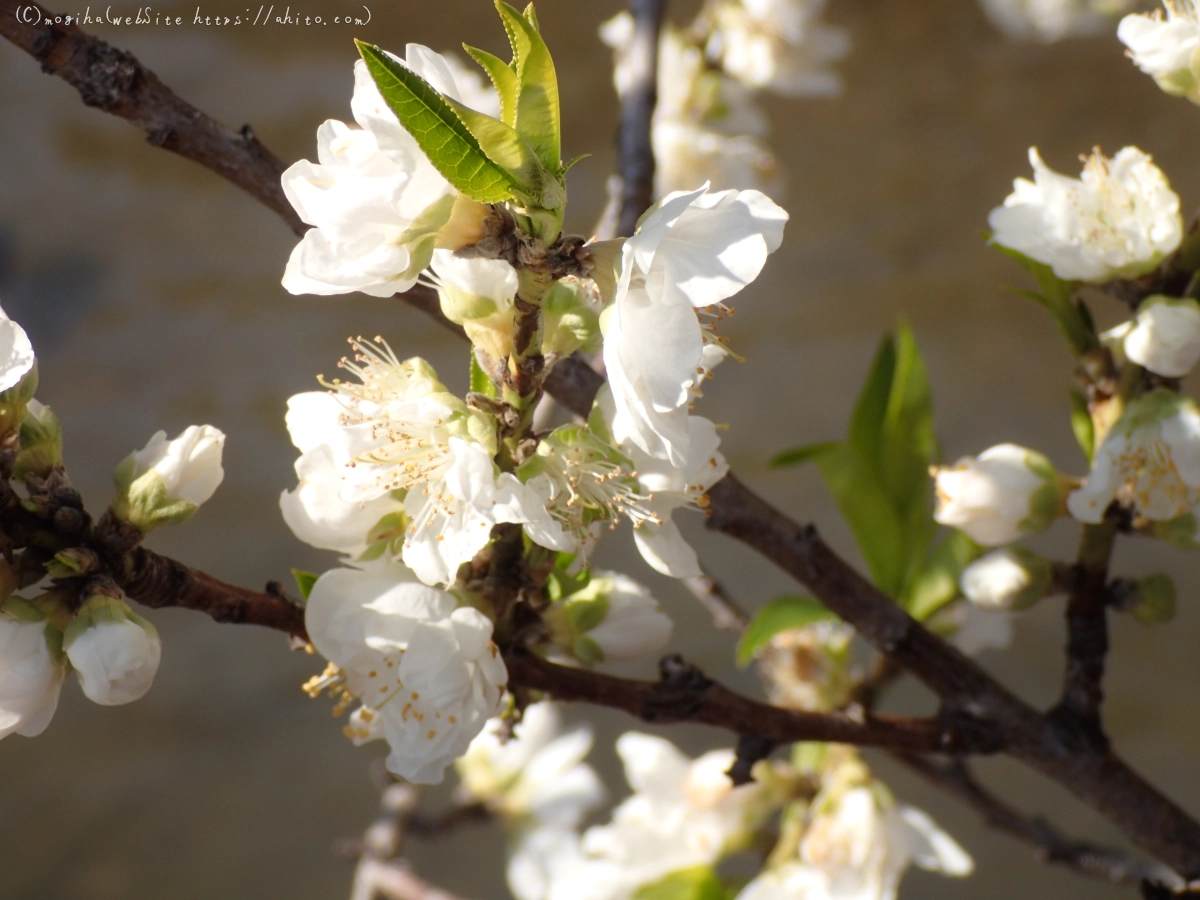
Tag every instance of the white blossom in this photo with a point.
(683, 813)
(977, 629)
(543, 858)
(997, 497)
(778, 45)
(691, 155)
(859, 850)
(31, 673)
(809, 668)
(692, 252)
(1053, 20)
(1165, 336)
(1119, 220)
(315, 510)
(16, 353)
(114, 652)
(426, 672)
(378, 205)
(478, 294)
(400, 433)
(1149, 461)
(537, 777)
(612, 619)
(1010, 578)
(1166, 49)
(167, 480)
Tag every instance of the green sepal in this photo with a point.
(1082, 424)
(41, 444)
(16, 398)
(781, 614)
(584, 614)
(436, 128)
(584, 649)
(99, 609)
(503, 79)
(143, 501)
(480, 382)
(304, 582)
(696, 883)
(22, 609)
(538, 113)
(1156, 599)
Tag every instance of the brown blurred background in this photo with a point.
(151, 291)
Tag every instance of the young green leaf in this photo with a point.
(437, 129)
(782, 613)
(1082, 424)
(937, 583)
(304, 581)
(504, 80)
(801, 454)
(1056, 297)
(503, 146)
(538, 113)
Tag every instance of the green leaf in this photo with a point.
(480, 383)
(503, 146)
(538, 112)
(1055, 296)
(504, 80)
(937, 583)
(437, 129)
(802, 454)
(782, 613)
(1082, 424)
(304, 581)
(877, 525)
(696, 883)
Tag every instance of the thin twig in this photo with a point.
(727, 615)
(635, 147)
(1050, 845)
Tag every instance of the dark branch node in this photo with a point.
(678, 694)
(751, 748)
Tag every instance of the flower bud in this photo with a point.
(1001, 495)
(18, 373)
(613, 619)
(114, 651)
(1150, 599)
(1009, 579)
(165, 482)
(31, 668)
(41, 442)
(569, 322)
(1165, 337)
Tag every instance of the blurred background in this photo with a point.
(150, 289)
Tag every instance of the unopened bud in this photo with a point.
(612, 619)
(1009, 579)
(114, 651)
(1000, 496)
(1150, 599)
(569, 322)
(41, 442)
(165, 482)
(1165, 336)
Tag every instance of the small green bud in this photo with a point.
(41, 442)
(1150, 599)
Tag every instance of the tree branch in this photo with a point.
(1087, 636)
(1050, 845)
(635, 147)
(683, 694)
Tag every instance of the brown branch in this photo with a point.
(1087, 636)
(634, 145)
(158, 581)
(1050, 845)
(685, 695)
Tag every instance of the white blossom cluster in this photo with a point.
(685, 814)
(114, 652)
(401, 476)
(707, 127)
